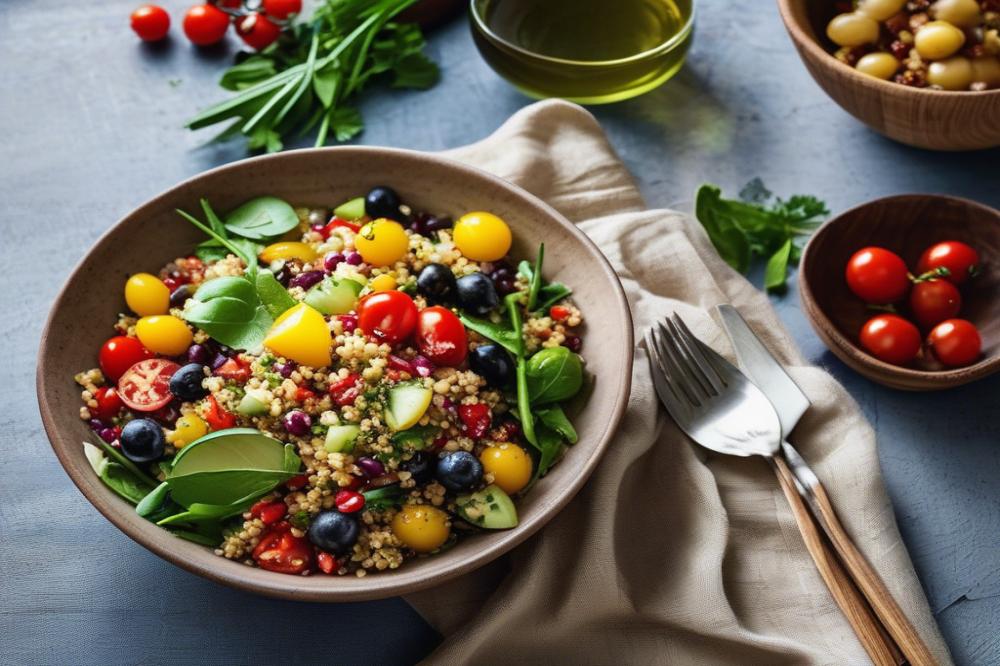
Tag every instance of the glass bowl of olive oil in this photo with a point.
(586, 51)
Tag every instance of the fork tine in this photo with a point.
(676, 367)
(694, 349)
(675, 400)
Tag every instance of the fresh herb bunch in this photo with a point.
(759, 224)
(304, 80)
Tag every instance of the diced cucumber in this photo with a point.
(351, 210)
(340, 438)
(333, 296)
(253, 403)
(407, 403)
(491, 508)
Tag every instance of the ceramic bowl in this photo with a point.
(934, 119)
(82, 316)
(906, 224)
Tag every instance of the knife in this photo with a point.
(791, 403)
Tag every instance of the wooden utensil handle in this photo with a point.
(870, 633)
(871, 585)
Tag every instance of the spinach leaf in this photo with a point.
(273, 295)
(123, 481)
(262, 218)
(501, 335)
(229, 310)
(198, 538)
(550, 444)
(555, 419)
(548, 293)
(553, 374)
(153, 501)
(777, 267)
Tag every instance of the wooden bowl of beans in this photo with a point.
(922, 73)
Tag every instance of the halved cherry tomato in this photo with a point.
(441, 336)
(337, 222)
(933, 301)
(119, 354)
(216, 417)
(109, 403)
(234, 369)
(389, 316)
(961, 260)
(345, 391)
(891, 338)
(281, 551)
(955, 342)
(257, 31)
(145, 387)
(876, 275)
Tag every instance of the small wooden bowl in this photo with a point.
(935, 119)
(906, 224)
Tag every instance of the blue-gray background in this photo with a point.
(90, 127)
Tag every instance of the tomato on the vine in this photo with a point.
(119, 354)
(151, 23)
(955, 342)
(109, 403)
(281, 551)
(257, 31)
(933, 301)
(282, 9)
(960, 260)
(877, 275)
(145, 387)
(891, 338)
(441, 336)
(389, 316)
(205, 24)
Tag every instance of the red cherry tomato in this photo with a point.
(876, 275)
(349, 501)
(119, 354)
(933, 301)
(145, 387)
(108, 403)
(961, 260)
(205, 24)
(151, 23)
(891, 338)
(389, 316)
(282, 9)
(955, 342)
(234, 369)
(256, 31)
(558, 312)
(218, 418)
(281, 551)
(269, 512)
(441, 336)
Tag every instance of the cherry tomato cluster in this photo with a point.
(206, 24)
(880, 277)
(392, 317)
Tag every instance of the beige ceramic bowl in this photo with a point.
(152, 235)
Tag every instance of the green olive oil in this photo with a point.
(588, 51)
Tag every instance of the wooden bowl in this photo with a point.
(84, 312)
(906, 224)
(935, 119)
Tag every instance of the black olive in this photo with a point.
(476, 294)
(420, 466)
(180, 295)
(459, 471)
(142, 440)
(383, 202)
(437, 283)
(493, 363)
(186, 382)
(334, 532)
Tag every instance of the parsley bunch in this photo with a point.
(304, 80)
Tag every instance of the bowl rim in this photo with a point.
(803, 40)
(843, 344)
(478, 23)
(342, 588)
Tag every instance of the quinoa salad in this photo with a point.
(316, 392)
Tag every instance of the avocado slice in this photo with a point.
(491, 508)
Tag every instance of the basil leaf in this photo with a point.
(200, 539)
(777, 267)
(236, 287)
(124, 482)
(262, 218)
(550, 443)
(273, 295)
(229, 310)
(729, 240)
(554, 374)
(555, 418)
(501, 335)
(153, 500)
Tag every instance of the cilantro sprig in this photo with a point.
(304, 81)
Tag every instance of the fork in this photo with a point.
(720, 409)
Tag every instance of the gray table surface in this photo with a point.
(90, 126)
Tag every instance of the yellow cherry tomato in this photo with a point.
(302, 335)
(188, 428)
(147, 295)
(482, 236)
(937, 40)
(880, 65)
(382, 242)
(288, 250)
(382, 282)
(421, 527)
(164, 334)
(509, 464)
(852, 29)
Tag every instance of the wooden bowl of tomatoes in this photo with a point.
(906, 290)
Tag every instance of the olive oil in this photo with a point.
(589, 51)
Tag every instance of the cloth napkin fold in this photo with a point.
(669, 554)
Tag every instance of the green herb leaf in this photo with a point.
(416, 70)
(229, 310)
(251, 71)
(550, 444)
(777, 267)
(548, 293)
(524, 402)
(554, 374)
(536, 278)
(501, 335)
(386, 497)
(273, 295)
(123, 481)
(345, 121)
(555, 419)
(153, 501)
(262, 218)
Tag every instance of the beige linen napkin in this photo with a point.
(669, 554)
